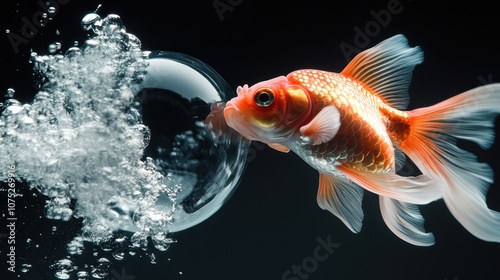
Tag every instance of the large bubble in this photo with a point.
(117, 137)
(200, 166)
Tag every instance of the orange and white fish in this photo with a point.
(353, 128)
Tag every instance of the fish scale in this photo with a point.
(362, 142)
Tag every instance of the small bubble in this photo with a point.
(91, 43)
(54, 228)
(33, 56)
(140, 240)
(44, 15)
(52, 48)
(75, 247)
(7, 31)
(10, 93)
(89, 20)
(52, 10)
(25, 267)
(64, 268)
(13, 107)
(102, 269)
(118, 255)
(82, 275)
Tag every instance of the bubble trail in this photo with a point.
(82, 143)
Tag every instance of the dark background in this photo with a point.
(272, 221)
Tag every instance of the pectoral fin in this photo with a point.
(342, 198)
(279, 147)
(323, 127)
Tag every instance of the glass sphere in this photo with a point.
(201, 167)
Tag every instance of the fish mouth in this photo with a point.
(232, 114)
(236, 120)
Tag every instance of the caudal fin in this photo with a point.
(432, 146)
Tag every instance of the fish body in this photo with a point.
(354, 129)
(368, 126)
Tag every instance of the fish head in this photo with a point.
(270, 111)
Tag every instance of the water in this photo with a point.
(116, 137)
(272, 224)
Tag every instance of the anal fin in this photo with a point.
(416, 190)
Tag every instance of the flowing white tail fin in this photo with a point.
(432, 146)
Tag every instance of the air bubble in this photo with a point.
(89, 20)
(10, 93)
(52, 48)
(25, 267)
(76, 246)
(82, 275)
(101, 271)
(64, 268)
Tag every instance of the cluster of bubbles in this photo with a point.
(81, 143)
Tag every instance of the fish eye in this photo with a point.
(264, 97)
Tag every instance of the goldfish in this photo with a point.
(354, 128)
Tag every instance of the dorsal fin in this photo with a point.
(386, 70)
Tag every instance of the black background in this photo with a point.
(272, 221)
